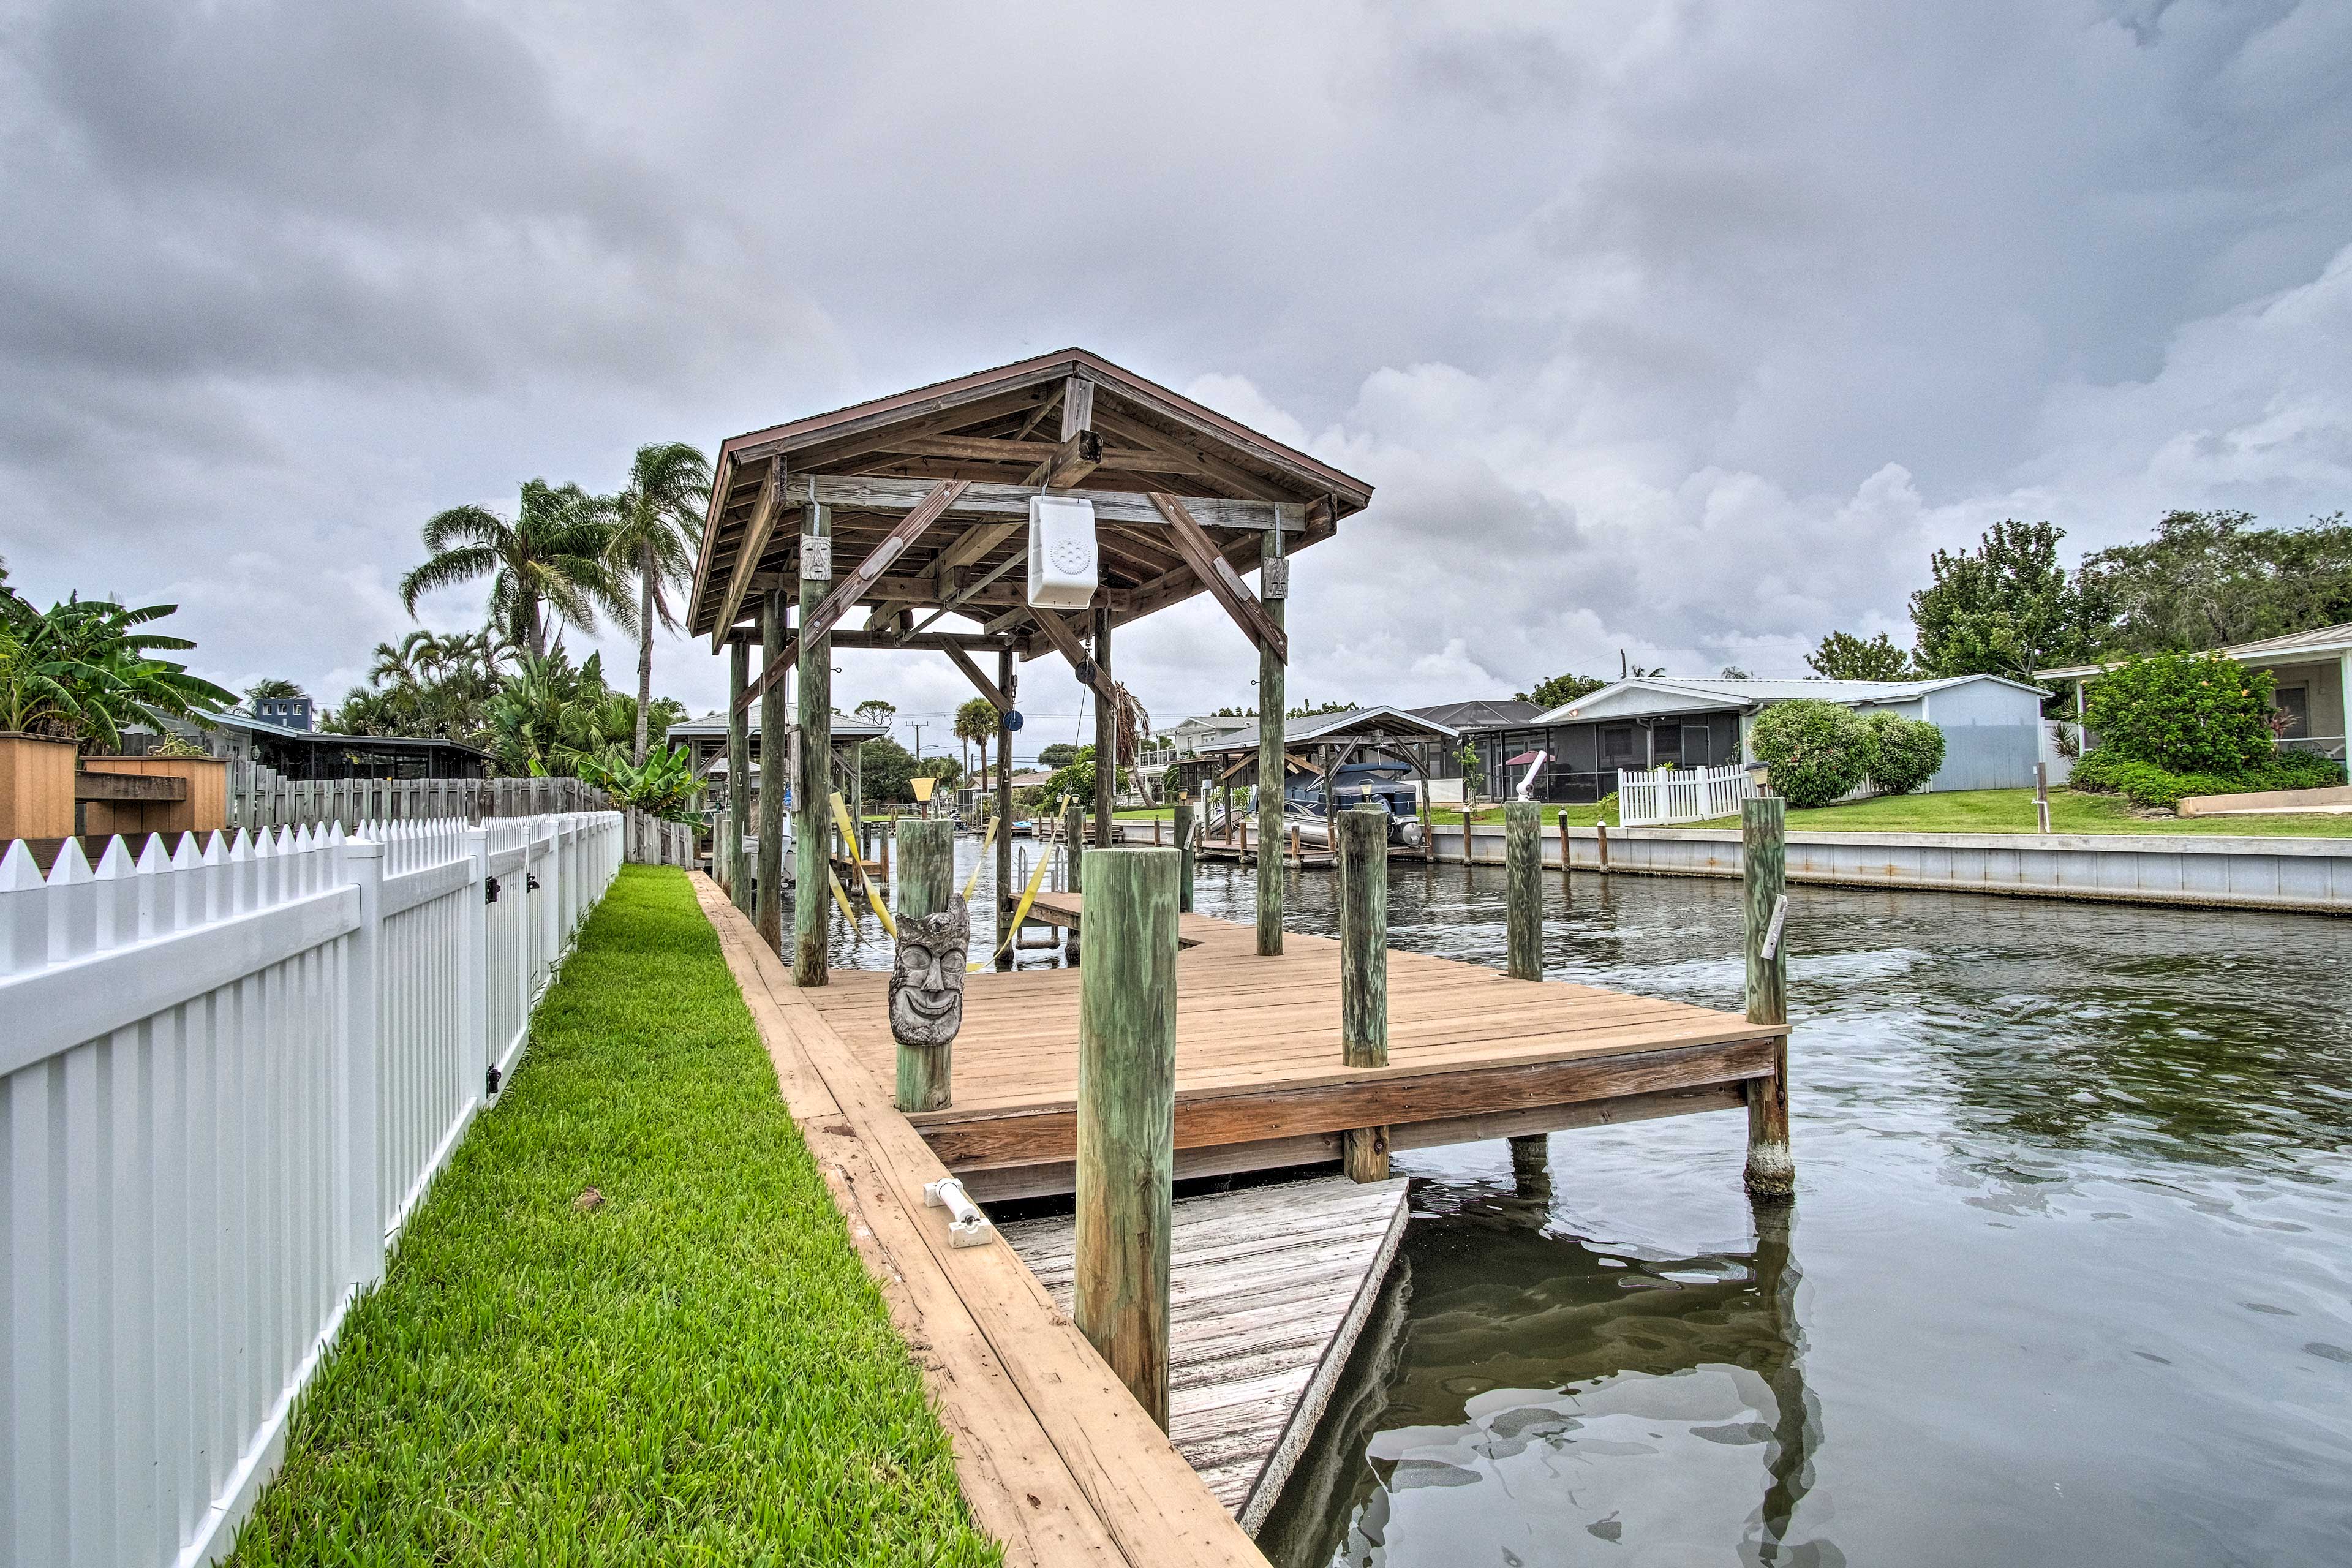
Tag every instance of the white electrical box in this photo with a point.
(1062, 570)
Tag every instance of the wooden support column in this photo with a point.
(1361, 837)
(1184, 836)
(926, 884)
(1007, 899)
(1523, 879)
(1763, 877)
(1274, 571)
(1126, 1118)
(813, 790)
(857, 808)
(1106, 732)
(774, 768)
(727, 857)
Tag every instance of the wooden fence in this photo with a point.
(230, 1072)
(259, 797)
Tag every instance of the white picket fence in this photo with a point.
(1660, 796)
(228, 1077)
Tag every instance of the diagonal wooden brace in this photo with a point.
(1217, 575)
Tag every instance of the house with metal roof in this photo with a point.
(2314, 672)
(1992, 727)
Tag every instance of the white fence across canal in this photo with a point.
(228, 1074)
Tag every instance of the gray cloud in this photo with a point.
(1686, 328)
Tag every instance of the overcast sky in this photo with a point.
(1689, 330)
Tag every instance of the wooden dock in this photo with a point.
(1268, 1287)
(1473, 1054)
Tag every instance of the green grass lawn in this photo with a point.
(1985, 811)
(696, 1372)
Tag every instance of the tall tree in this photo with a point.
(554, 557)
(875, 711)
(656, 531)
(1559, 688)
(2208, 579)
(1845, 656)
(975, 721)
(2005, 608)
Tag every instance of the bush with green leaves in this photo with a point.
(1817, 750)
(1904, 753)
(2106, 771)
(2185, 713)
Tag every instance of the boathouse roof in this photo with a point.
(1069, 421)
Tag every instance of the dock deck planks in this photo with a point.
(1259, 1079)
(1269, 1288)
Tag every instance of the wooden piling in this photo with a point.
(1523, 942)
(926, 884)
(1601, 841)
(1465, 822)
(1564, 868)
(1763, 831)
(2042, 796)
(774, 765)
(1183, 837)
(1362, 833)
(1126, 1118)
(1007, 669)
(1523, 877)
(1073, 833)
(1271, 764)
(727, 859)
(813, 783)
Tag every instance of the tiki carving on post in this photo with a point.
(927, 1000)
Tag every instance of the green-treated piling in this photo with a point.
(926, 884)
(1126, 1116)
(1183, 825)
(1363, 844)
(1763, 832)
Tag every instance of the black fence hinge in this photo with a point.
(490, 890)
(490, 1081)
(530, 882)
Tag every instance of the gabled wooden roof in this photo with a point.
(1071, 421)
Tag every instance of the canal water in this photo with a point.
(2068, 1279)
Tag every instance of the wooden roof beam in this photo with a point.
(877, 493)
(1057, 632)
(765, 511)
(1200, 463)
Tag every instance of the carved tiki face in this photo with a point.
(927, 976)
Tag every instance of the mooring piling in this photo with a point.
(1363, 834)
(1523, 879)
(1183, 837)
(1523, 936)
(1126, 1118)
(926, 884)
(1763, 861)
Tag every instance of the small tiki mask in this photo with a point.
(927, 976)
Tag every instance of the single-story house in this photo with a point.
(1991, 726)
(2314, 671)
(286, 743)
(705, 740)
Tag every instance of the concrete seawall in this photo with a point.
(2206, 871)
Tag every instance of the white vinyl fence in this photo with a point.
(228, 1076)
(1660, 797)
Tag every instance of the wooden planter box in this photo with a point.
(36, 787)
(137, 795)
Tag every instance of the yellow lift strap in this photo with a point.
(857, 859)
(986, 839)
(1012, 928)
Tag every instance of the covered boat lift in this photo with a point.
(1320, 752)
(866, 526)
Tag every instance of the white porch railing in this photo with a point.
(228, 1076)
(1662, 797)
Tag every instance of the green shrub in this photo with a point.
(2185, 713)
(1904, 753)
(2107, 771)
(1817, 750)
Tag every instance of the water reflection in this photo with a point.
(1648, 1403)
(2075, 1224)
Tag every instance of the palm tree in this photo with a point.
(976, 721)
(553, 556)
(657, 531)
(404, 663)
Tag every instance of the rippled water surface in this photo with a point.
(2069, 1277)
